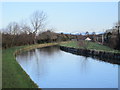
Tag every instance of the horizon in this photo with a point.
(67, 17)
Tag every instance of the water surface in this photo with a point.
(52, 68)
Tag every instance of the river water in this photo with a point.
(52, 68)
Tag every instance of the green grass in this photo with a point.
(13, 76)
(90, 45)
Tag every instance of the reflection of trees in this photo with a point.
(49, 50)
(42, 56)
(28, 53)
(40, 60)
(37, 63)
(84, 63)
(24, 58)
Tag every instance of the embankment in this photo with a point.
(110, 57)
(13, 76)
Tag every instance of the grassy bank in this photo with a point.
(90, 46)
(13, 76)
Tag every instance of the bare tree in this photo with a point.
(25, 28)
(83, 44)
(13, 29)
(37, 20)
(87, 33)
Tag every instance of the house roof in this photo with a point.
(87, 39)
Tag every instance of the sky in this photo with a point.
(68, 17)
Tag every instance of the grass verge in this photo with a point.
(13, 76)
(90, 46)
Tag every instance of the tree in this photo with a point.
(93, 33)
(118, 35)
(13, 29)
(93, 36)
(87, 34)
(25, 28)
(83, 44)
(37, 20)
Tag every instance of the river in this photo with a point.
(52, 68)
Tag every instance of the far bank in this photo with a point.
(94, 50)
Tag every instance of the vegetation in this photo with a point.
(18, 34)
(91, 45)
(112, 37)
(13, 76)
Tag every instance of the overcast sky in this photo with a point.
(68, 17)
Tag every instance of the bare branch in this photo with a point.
(37, 20)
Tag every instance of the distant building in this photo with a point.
(88, 39)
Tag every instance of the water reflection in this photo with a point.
(52, 68)
(84, 64)
(50, 51)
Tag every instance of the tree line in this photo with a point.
(112, 37)
(17, 34)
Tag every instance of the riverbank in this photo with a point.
(13, 76)
(90, 46)
(94, 50)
